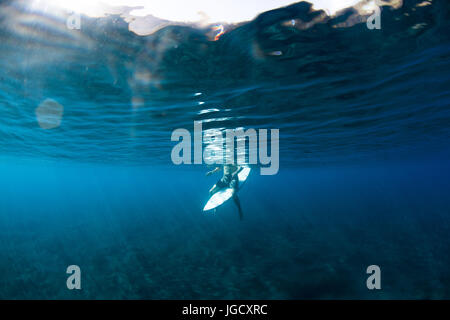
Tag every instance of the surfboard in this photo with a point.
(221, 196)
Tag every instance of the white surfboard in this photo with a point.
(223, 195)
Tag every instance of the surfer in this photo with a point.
(228, 180)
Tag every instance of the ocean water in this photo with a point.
(86, 176)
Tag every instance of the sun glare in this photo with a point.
(229, 11)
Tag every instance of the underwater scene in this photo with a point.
(120, 177)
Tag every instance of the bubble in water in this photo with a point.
(49, 114)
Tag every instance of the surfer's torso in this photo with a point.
(228, 171)
(228, 179)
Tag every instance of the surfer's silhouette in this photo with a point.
(228, 180)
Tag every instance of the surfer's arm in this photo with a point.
(213, 171)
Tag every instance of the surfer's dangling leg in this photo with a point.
(238, 205)
(235, 185)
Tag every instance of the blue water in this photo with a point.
(364, 123)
